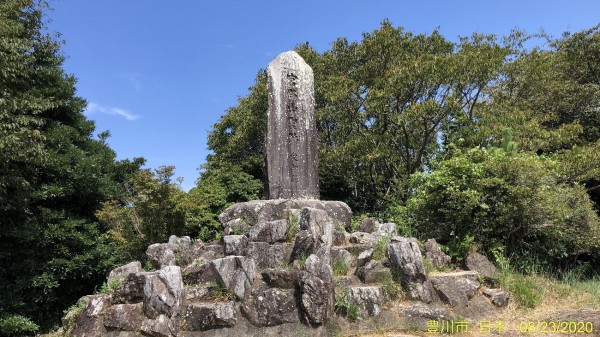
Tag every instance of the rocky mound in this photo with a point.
(287, 267)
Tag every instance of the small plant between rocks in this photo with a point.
(347, 306)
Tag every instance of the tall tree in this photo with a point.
(53, 176)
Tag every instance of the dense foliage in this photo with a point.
(478, 143)
(53, 176)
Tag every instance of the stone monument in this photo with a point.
(291, 138)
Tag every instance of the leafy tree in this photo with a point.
(499, 197)
(53, 176)
(382, 105)
(149, 212)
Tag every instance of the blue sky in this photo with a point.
(159, 74)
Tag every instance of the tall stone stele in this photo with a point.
(291, 140)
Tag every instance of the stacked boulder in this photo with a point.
(283, 267)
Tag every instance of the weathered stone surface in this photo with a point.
(126, 317)
(318, 267)
(477, 308)
(291, 142)
(236, 273)
(498, 297)
(481, 264)
(368, 299)
(163, 292)
(362, 238)
(267, 256)
(123, 271)
(387, 229)
(373, 272)
(434, 254)
(318, 223)
(317, 299)
(90, 322)
(264, 306)
(202, 316)
(342, 255)
(132, 289)
(235, 244)
(162, 254)
(407, 262)
(455, 289)
(252, 212)
(419, 314)
(214, 250)
(161, 326)
(346, 281)
(195, 293)
(281, 278)
(183, 242)
(200, 271)
(369, 225)
(304, 245)
(270, 231)
(364, 257)
(340, 238)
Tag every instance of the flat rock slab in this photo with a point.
(205, 316)
(264, 306)
(368, 299)
(247, 214)
(417, 315)
(455, 288)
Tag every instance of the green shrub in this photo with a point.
(17, 325)
(340, 267)
(345, 304)
(381, 248)
(500, 198)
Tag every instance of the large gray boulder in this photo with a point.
(161, 326)
(456, 288)
(373, 272)
(202, 316)
(281, 278)
(433, 253)
(498, 297)
(247, 214)
(361, 238)
(420, 314)
(124, 317)
(132, 289)
(317, 299)
(122, 272)
(407, 262)
(369, 299)
(90, 322)
(342, 256)
(162, 254)
(315, 265)
(387, 229)
(264, 306)
(319, 224)
(199, 272)
(236, 273)
(183, 242)
(235, 244)
(304, 245)
(269, 255)
(368, 225)
(482, 265)
(270, 231)
(163, 292)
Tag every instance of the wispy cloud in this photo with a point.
(133, 79)
(93, 108)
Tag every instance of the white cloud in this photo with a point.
(107, 110)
